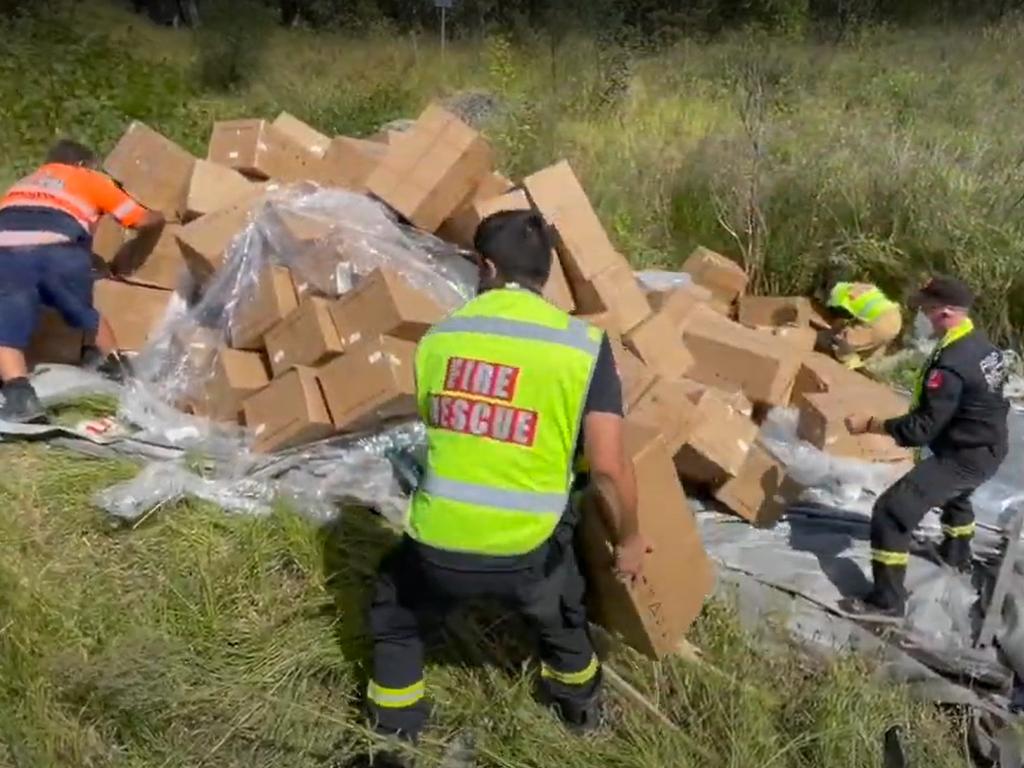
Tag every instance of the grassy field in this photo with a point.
(887, 156)
(202, 639)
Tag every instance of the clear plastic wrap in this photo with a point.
(660, 280)
(329, 239)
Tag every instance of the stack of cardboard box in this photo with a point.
(300, 362)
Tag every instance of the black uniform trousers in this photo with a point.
(945, 481)
(411, 589)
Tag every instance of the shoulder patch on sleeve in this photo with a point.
(935, 379)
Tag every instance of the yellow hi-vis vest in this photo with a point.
(501, 385)
(867, 307)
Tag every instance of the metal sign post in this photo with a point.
(445, 6)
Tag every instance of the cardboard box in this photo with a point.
(761, 491)
(268, 302)
(732, 356)
(666, 406)
(303, 134)
(427, 174)
(636, 377)
(384, 304)
(617, 293)
(802, 337)
(154, 259)
(679, 301)
(259, 150)
(723, 277)
(133, 311)
(204, 242)
(54, 341)
(654, 615)
(306, 337)
(822, 423)
(236, 377)
(734, 397)
(821, 373)
(656, 342)
(152, 169)
(718, 443)
(290, 411)
(197, 347)
(373, 381)
(757, 311)
(461, 227)
(213, 187)
(108, 238)
(583, 244)
(348, 163)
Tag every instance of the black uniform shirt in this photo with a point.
(961, 404)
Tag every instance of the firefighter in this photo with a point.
(512, 391)
(865, 323)
(959, 413)
(46, 225)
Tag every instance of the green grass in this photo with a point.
(203, 639)
(886, 157)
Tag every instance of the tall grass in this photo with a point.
(887, 156)
(200, 639)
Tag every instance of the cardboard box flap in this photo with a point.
(301, 133)
(152, 169)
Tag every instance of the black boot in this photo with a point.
(581, 714)
(887, 600)
(955, 552)
(20, 403)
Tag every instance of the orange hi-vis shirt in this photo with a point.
(82, 193)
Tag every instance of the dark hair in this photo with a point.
(68, 152)
(518, 244)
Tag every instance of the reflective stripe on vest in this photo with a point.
(867, 307)
(501, 384)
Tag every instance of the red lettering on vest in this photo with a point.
(482, 418)
(481, 378)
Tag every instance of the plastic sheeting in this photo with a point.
(328, 239)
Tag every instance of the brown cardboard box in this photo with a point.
(802, 337)
(761, 491)
(307, 337)
(678, 302)
(384, 303)
(822, 423)
(583, 243)
(152, 169)
(154, 258)
(197, 347)
(290, 411)
(656, 342)
(427, 174)
(133, 311)
(718, 442)
(636, 377)
(205, 240)
(306, 136)
(654, 614)
(258, 149)
(348, 163)
(214, 186)
(732, 356)
(734, 397)
(270, 301)
(557, 290)
(666, 406)
(821, 373)
(236, 377)
(54, 341)
(723, 277)
(371, 382)
(108, 239)
(617, 293)
(775, 310)
(460, 228)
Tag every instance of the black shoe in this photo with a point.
(866, 609)
(21, 404)
(114, 366)
(581, 718)
(956, 553)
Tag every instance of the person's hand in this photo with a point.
(858, 424)
(629, 558)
